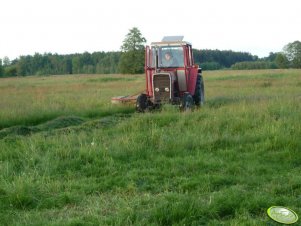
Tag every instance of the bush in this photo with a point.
(249, 65)
(10, 71)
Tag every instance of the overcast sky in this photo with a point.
(75, 26)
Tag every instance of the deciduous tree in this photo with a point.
(281, 61)
(293, 53)
(6, 61)
(132, 57)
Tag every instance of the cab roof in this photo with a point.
(171, 41)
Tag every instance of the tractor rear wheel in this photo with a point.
(187, 102)
(199, 94)
(141, 103)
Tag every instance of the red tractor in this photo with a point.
(171, 76)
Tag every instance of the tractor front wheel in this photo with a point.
(141, 103)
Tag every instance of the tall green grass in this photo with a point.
(223, 164)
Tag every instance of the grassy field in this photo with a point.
(68, 157)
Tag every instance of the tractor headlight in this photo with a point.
(157, 89)
(166, 89)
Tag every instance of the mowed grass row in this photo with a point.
(223, 164)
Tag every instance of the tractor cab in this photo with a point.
(167, 56)
(171, 75)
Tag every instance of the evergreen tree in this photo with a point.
(132, 57)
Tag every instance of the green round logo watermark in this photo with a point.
(282, 215)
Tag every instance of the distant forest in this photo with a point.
(130, 60)
(109, 63)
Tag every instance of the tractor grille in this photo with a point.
(162, 87)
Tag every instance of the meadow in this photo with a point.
(70, 157)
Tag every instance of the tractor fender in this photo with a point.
(192, 78)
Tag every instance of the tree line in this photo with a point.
(219, 59)
(290, 57)
(55, 64)
(131, 60)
